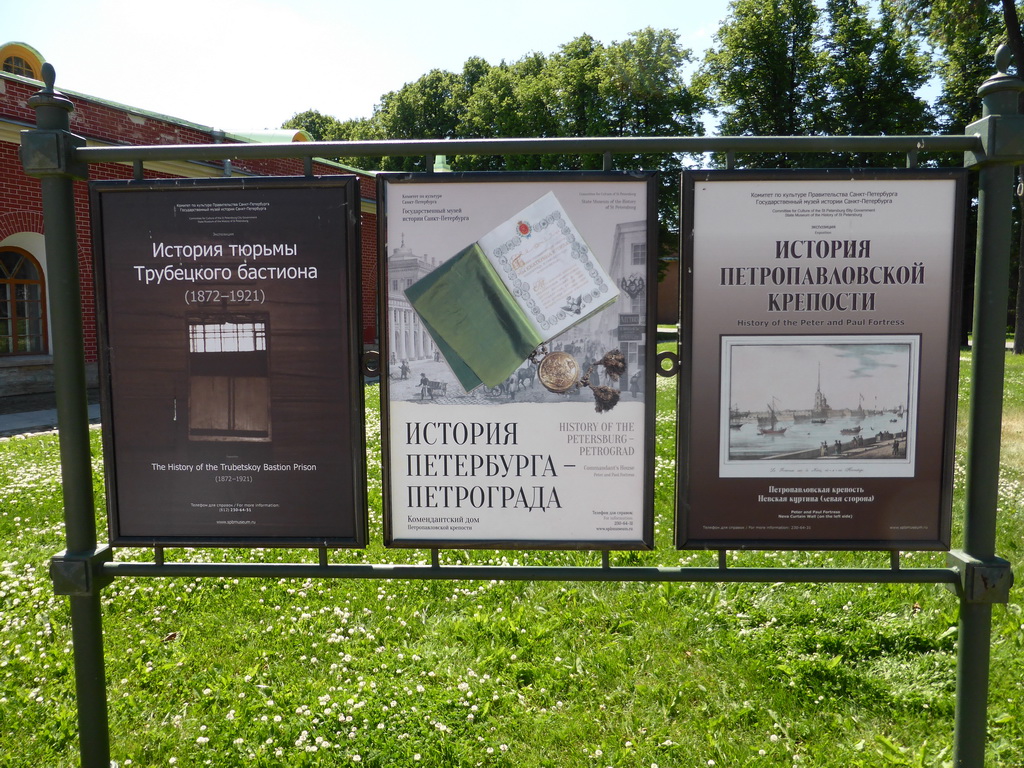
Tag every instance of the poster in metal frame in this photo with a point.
(820, 317)
(231, 388)
(488, 443)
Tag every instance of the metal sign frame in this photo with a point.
(423, 214)
(840, 284)
(221, 349)
(992, 145)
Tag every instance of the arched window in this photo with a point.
(22, 304)
(16, 65)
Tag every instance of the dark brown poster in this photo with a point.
(232, 390)
(819, 372)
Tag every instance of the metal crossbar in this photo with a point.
(539, 146)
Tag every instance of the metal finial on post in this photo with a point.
(49, 76)
(999, 93)
(48, 96)
(50, 150)
(1004, 58)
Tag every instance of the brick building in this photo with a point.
(25, 341)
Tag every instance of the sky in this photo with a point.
(251, 65)
(879, 373)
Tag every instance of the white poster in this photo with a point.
(517, 380)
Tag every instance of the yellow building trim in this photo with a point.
(32, 58)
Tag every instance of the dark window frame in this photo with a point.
(10, 281)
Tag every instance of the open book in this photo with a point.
(516, 288)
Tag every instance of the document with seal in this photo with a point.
(516, 288)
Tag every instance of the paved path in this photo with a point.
(36, 421)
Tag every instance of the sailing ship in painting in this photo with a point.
(769, 425)
(736, 417)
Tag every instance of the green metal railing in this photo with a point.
(993, 145)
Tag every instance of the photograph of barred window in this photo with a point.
(229, 384)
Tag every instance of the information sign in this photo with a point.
(819, 358)
(517, 412)
(232, 393)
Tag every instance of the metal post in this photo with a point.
(995, 201)
(48, 152)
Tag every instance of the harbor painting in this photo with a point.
(818, 405)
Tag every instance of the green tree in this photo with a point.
(320, 126)
(846, 68)
(634, 87)
(428, 108)
(965, 35)
(872, 70)
(326, 128)
(764, 75)
(645, 94)
(511, 101)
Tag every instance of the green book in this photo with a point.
(520, 285)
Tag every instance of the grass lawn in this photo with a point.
(279, 672)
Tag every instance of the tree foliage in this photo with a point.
(777, 68)
(873, 70)
(966, 34)
(764, 76)
(635, 87)
(790, 68)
